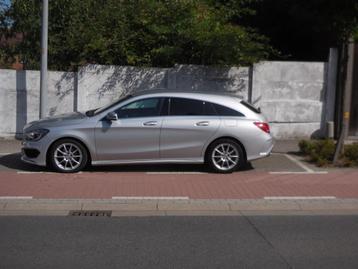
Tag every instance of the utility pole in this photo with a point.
(347, 96)
(44, 43)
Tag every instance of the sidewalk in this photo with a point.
(162, 207)
(9, 146)
(286, 146)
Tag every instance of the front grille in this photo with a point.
(90, 213)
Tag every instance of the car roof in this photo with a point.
(186, 93)
(221, 98)
(216, 97)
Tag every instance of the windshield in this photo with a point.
(96, 111)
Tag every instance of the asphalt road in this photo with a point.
(179, 242)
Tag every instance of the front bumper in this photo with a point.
(34, 153)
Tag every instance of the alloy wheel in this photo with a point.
(68, 156)
(225, 156)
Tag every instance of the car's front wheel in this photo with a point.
(225, 156)
(68, 156)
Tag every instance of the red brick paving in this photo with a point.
(241, 185)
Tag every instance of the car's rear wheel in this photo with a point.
(68, 156)
(225, 156)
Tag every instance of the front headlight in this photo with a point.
(35, 135)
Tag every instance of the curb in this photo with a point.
(190, 207)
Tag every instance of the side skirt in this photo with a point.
(110, 162)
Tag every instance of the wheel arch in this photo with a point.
(226, 137)
(72, 138)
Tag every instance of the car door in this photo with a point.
(187, 128)
(134, 136)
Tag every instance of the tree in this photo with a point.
(304, 30)
(140, 33)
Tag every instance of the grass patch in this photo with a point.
(321, 152)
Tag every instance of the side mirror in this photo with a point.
(112, 116)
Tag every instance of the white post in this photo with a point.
(44, 42)
(331, 84)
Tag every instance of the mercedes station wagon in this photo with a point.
(153, 127)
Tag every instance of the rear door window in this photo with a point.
(186, 107)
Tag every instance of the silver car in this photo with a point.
(155, 127)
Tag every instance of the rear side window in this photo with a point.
(251, 107)
(186, 107)
(190, 107)
(209, 109)
(225, 111)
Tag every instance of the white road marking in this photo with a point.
(30, 172)
(42, 172)
(300, 164)
(299, 197)
(15, 197)
(5, 153)
(150, 198)
(175, 173)
(303, 173)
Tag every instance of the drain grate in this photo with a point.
(90, 213)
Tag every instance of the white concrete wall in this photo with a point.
(234, 80)
(99, 85)
(291, 94)
(19, 98)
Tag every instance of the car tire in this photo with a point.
(68, 156)
(225, 156)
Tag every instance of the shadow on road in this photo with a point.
(14, 162)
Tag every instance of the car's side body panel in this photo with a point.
(128, 139)
(183, 137)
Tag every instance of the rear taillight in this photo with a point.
(263, 126)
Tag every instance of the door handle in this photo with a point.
(202, 123)
(150, 123)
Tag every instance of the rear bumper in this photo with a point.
(265, 150)
(267, 153)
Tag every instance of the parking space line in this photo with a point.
(299, 197)
(150, 198)
(15, 197)
(175, 173)
(300, 173)
(43, 172)
(300, 164)
(29, 172)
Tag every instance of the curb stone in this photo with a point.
(192, 207)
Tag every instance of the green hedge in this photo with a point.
(321, 152)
